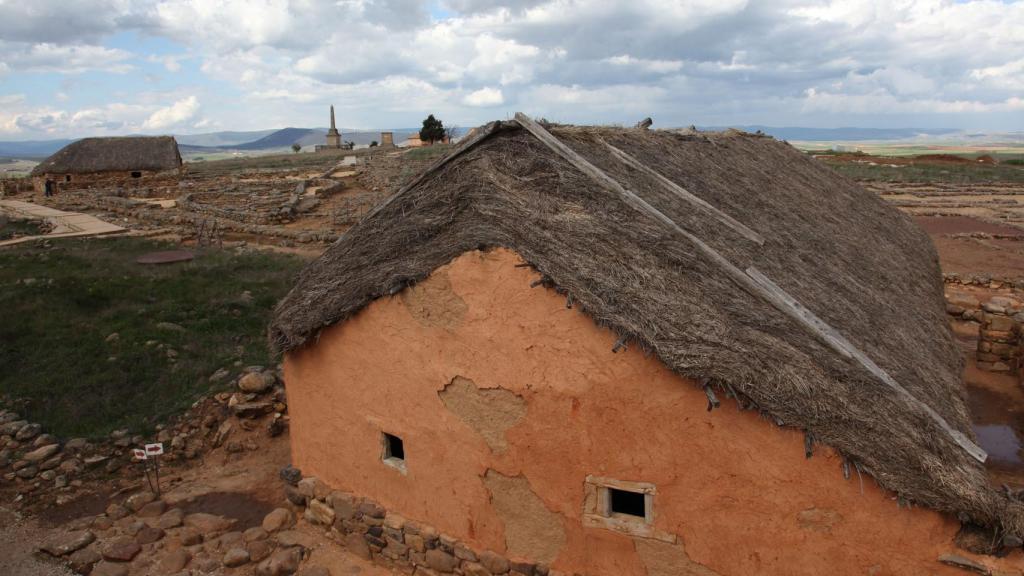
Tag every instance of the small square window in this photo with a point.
(626, 502)
(393, 451)
(393, 447)
(622, 506)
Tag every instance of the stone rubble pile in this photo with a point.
(142, 535)
(369, 531)
(37, 464)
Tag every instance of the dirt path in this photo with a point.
(18, 540)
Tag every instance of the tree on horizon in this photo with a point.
(432, 131)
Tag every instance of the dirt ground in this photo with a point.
(19, 537)
(243, 487)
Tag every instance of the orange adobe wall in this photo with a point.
(506, 401)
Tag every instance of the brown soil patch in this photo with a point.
(942, 158)
(89, 504)
(997, 258)
(246, 510)
(935, 225)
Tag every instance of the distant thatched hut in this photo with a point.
(105, 161)
(523, 347)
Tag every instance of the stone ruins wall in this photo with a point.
(1000, 319)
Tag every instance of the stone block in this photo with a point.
(344, 504)
(415, 541)
(319, 513)
(372, 510)
(464, 553)
(441, 561)
(356, 544)
(395, 550)
(474, 569)
(1000, 323)
(307, 487)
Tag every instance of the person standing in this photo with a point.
(48, 188)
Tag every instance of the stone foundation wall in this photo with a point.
(1000, 319)
(108, 180)
(998, 343)
(368, 530)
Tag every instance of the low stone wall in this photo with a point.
(156, 215)
(367, 530)
(1001, 321)
(983, 280)
(998, 343)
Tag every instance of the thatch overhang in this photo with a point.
(114, 154)
(781, 282)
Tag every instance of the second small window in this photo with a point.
(393, 451)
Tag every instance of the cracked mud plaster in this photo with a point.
(433, 303)
(531, 530)
(489, 411)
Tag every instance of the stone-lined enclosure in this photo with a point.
(999, 318)
(508, 402)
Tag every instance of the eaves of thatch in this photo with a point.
(734, 258)
(114, 154)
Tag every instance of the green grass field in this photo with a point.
(12, 228)
(59, 306)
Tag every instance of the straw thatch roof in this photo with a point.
(666, 272)
(121, 154)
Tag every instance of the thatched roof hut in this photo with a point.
(116, 154)
(734, 258)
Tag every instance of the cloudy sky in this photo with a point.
(91, 67)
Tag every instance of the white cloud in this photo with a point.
(174, 115)
(387, 63)
(1009, 76)
(484, 97)
(171, 62)
(655, 66)
(64, 59)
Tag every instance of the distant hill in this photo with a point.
(32, 148)
(280, 139)
(829, 134)
(222, 139)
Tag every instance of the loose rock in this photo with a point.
(68, 543)
(104, 568)
(236, 557)
(281, 563)
(82, 561)
(279, 519)
(121, 550)
(175, 561)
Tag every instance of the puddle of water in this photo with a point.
(998, 422)
(1000, 441)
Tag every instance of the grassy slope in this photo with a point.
(53, 332)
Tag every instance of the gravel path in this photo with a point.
(18, 540)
